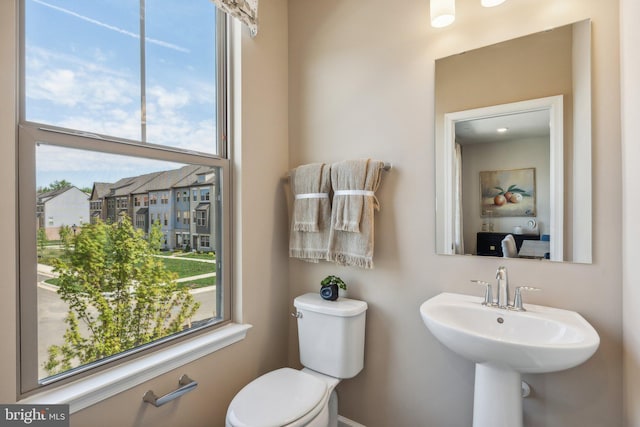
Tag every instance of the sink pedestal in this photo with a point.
(497, 398)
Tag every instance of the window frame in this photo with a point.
(30, 134)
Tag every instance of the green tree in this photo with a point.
(119, 291)
(156, 238)
(55, 185)
(42, 239)
(66, 237)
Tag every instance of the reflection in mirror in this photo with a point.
(513, 147)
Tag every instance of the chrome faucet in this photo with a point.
(503, 287)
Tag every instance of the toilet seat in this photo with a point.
(284, 397)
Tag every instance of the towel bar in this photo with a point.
(186, 385)
(386, 167)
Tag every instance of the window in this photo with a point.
(204, 241)
(201, 216)
(121, 110)
(204, 195)
(140, 221)
(121, 203)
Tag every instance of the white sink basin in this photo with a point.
(541, 339)
(504, 344)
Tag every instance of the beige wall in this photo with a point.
(361, 77)
(503, 73)
(8, 251)
(630, 89)
(260, 224)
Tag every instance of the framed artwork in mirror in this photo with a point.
(508, 193)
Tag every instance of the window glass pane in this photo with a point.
(181, 76)
(96, 76)
(87, 77)
(115, 274)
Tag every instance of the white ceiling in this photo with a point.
(530, 124)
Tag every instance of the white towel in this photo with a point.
(309, 234)
(351, 236)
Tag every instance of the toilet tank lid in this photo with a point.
(342, 307)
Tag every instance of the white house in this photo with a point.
(67, 206)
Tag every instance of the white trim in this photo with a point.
(90, 390)
(582, 161)
(556, 168)
(448, 182)
(346, 422)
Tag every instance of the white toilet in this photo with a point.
(331, 335)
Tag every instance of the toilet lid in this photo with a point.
(275, 399)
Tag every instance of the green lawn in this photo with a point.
(186, 268)
(48, 254)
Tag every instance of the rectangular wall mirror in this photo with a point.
(513, 148)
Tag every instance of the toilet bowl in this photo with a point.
(331, 343)
(286, 397)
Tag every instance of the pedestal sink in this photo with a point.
(504, 344)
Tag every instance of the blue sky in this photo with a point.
(83, 72)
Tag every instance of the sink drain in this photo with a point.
(500, 320)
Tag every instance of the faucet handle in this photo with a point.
(517, 299)
(488, 292)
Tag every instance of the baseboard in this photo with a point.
(346, 422)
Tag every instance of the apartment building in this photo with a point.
(179, 200)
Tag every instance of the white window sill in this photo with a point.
(92, 389)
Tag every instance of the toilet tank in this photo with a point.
(331, 334)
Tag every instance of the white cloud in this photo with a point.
(57, 86)
(177, 98)
(69, 81)
(95, 98)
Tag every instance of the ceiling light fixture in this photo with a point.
(502, 130)
(491, 3)
(443, 12)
